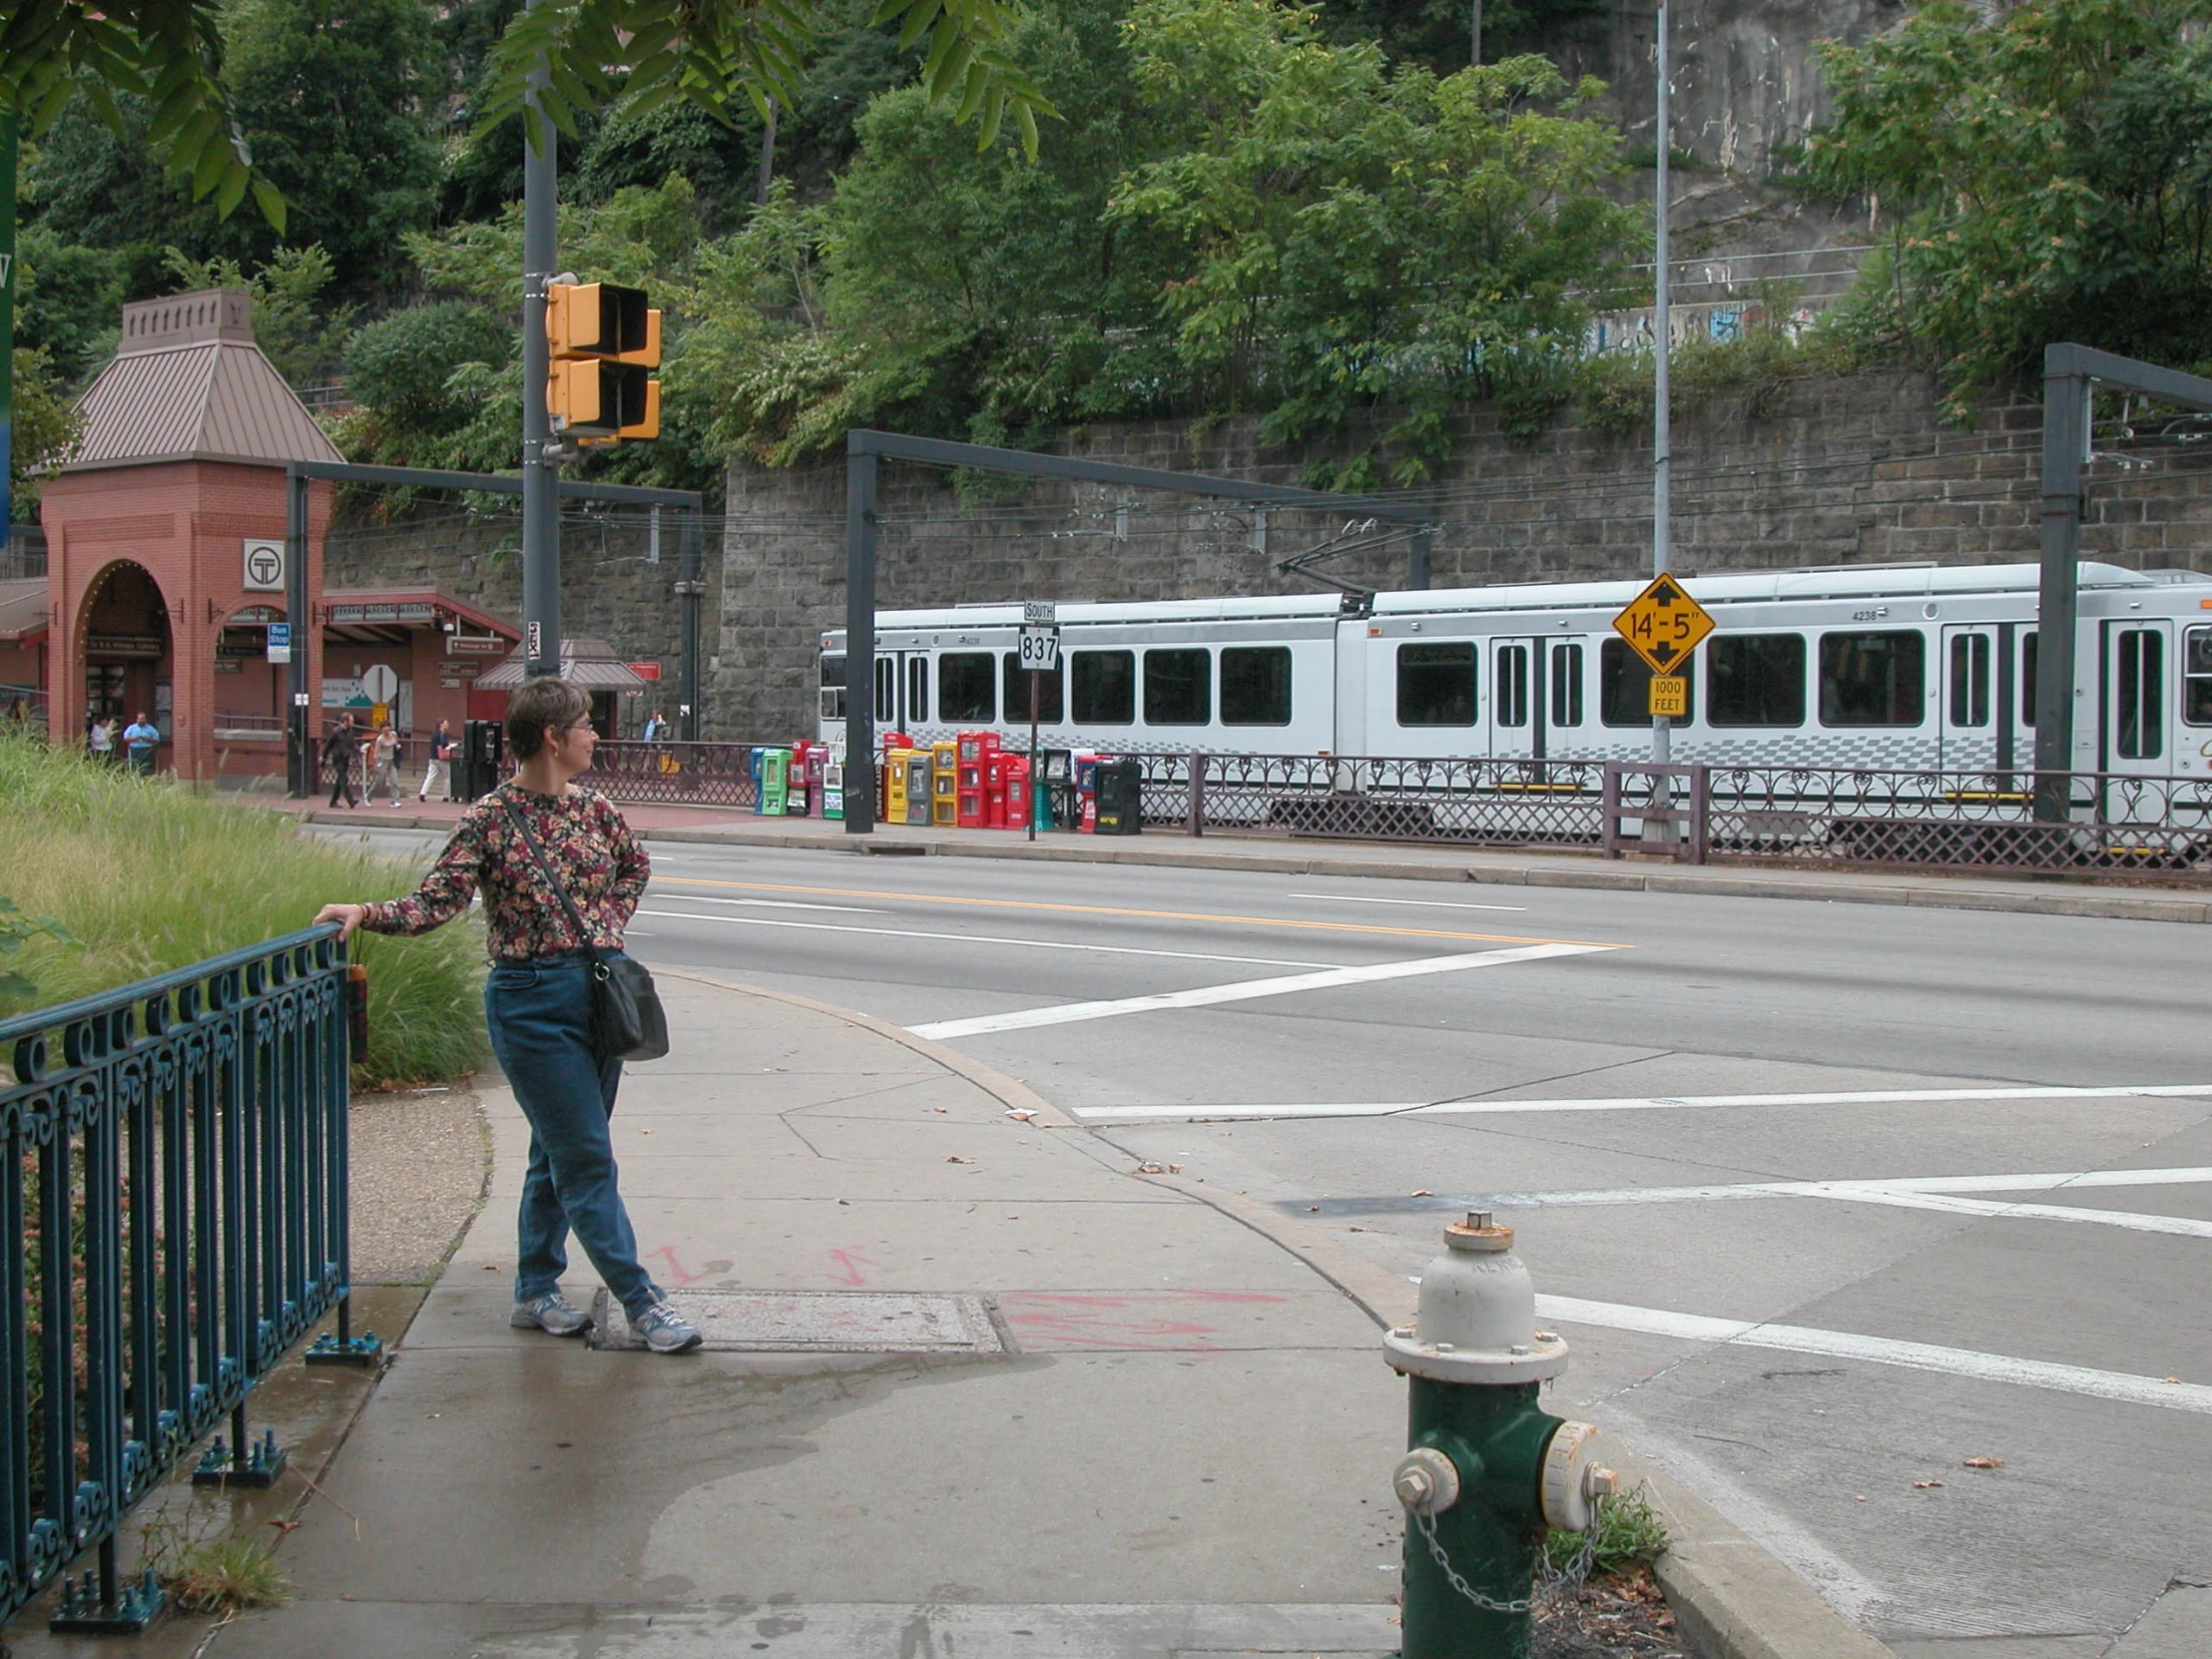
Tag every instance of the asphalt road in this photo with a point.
(1829, 1199)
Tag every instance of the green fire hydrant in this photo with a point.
(1488, 1469)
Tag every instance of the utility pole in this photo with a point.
(541, 507)
(7, 322)
(1662, 436)
(1474, 31)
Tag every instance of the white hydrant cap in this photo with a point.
(1477, 1318)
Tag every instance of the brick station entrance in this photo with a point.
(166, 536)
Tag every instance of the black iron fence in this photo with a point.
(177, 1158)
(2155, 828)
(673, 774)
(2075, 823)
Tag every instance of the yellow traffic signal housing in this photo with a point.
(648, 423)
(605, 340)
(647, 354)
(596, 319)
(594, 397)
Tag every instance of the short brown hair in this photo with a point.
(539, 704)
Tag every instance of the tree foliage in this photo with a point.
(1234, 215)
(2046, 178)
(721, 54)
(168, 52)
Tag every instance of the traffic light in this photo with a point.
(606, 342)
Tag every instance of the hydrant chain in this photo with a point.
(1573, 1573)
(1428, 1525)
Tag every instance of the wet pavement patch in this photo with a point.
(822, 1322)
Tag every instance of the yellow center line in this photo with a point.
(1118, 911)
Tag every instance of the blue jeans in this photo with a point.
(540, 1018)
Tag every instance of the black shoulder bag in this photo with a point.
(627, 1022)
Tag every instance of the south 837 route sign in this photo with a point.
(1663, 625)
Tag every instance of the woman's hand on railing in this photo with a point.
(348, 916)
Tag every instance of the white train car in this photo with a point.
(1919, 668)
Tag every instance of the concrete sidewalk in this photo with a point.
(1409, 861)
(1174, 1436)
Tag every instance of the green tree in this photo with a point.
(335, 98)
(45, 431)
(722, 54)
(168, 52)
(1354, 235)
(302, 337)
(2045, 177)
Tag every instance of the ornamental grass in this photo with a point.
(146, 878)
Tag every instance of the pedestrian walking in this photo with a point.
(383, 765)
(340, 750)
(139, 740)
(656, 728)
(538, 998)
(102, 739)
(438, 774)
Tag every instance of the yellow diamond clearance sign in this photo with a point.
(1663, 625)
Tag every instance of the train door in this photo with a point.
(1973, 684)
(1517, 699)
(2136, 711)
(902, 690)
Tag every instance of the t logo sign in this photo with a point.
(265, 566)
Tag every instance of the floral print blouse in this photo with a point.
(597, 856)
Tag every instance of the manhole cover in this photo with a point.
(822, 1322)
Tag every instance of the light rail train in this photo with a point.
(1909, 668)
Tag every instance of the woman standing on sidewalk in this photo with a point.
(537, 1000)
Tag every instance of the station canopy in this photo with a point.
(588, 664)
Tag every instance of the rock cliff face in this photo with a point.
(1746, 76)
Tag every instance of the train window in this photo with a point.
(2196, 681)
(965, 687)
(1017, 693)
(1874, 679)
(1566, 684)
(886, 688)
(2028, 681)
(1435, 683)
(1624, 688)
(1509, 693)
(1105, 688)
(2140, 726)
(1970, 680)
(917, 691)
(1178, 687)
(832, 687)
(1256, 685)
(1754, 679)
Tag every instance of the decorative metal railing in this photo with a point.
(673, 774)
(2082, 823)
(2154, 828)
(177, 1190)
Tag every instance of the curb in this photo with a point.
(2077, 902)
(1732, 1597)
(2111, 907)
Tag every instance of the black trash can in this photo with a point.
(483, 746)
(1120, 798)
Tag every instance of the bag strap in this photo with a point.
(575, 921)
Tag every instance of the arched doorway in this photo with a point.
(122, 639)
(248, 695)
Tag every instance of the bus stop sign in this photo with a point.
(1663, 625)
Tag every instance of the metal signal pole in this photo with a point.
(541, 507)
(1662, 437)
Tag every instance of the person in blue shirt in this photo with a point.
(139, 739)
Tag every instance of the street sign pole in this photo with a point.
(1035, 675)
(1037, 614)
(1662, 434)
(541, 507)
